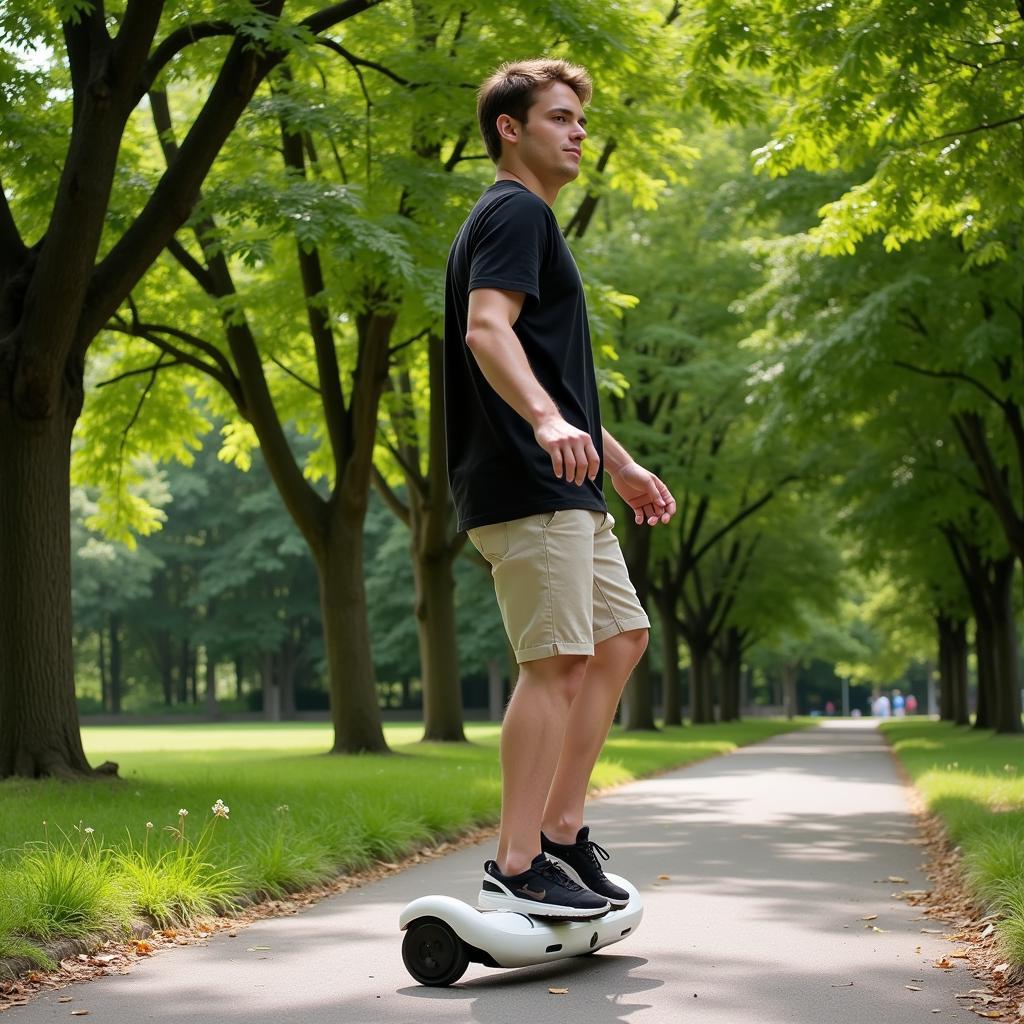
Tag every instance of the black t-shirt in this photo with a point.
(496, 469)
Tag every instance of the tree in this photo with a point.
(58, 292)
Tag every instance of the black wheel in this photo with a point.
(433, 953)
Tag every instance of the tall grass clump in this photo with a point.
(973, 781)
(285, 859)
(180, 883)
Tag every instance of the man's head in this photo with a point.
(531, 111)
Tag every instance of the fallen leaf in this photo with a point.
(913, 988)
(66, 999)
(989, 929)
(169, 933)
(943, 963)
(663, 878)
(79, 1013)
(936, 1011)
(874, 928)
(932, 931)
(989, 1013)
(142, 946)
(959, 953)
(559, 991)
(1001, 969)
(870, 917)
(257, 949)
(896, 879)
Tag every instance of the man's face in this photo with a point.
(551, 141)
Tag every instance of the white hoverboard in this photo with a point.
(443, 935)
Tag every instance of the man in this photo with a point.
(526, 456)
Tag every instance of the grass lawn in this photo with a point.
(974, 781)
(297, 815)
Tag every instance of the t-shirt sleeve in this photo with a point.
(510, 246)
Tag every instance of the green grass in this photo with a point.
(974, 781)
(297, 815)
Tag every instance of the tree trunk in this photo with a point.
(115, 664)
(39, 727)
(943, 626)
(102, 662)
(355, 708)
(672, 706)
(239, 677)
(789, 687)
(637, 700)
(731, 662)
(271, 694)
(288, 662)
(958, 672)
(438, 645)
(212, 710)
(701, 710)
(1006, 718)
(495, 691)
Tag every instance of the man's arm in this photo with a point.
(500, 356)
(650, 500)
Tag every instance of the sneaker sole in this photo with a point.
(499, 901)
(575, 876)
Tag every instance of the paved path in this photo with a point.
(774, 854)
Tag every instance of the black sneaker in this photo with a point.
(579, 861)
(542, 889)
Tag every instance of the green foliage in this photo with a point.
(922, 103)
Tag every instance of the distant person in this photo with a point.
(911, 704)
(855, 713)
(830, 708)
(898, 704)
(882, 707)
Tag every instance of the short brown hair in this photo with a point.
(510, 90)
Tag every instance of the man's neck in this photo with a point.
(549, 193)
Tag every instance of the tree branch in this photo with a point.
(362, 62)
(12, 248)
(171, 201)
(972, 131)
(951, 375)
(158, 365)
(172, 45)
(314, 289)
(198, 272)
(291, 373)
(392, 500)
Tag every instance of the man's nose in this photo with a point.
(579, 132)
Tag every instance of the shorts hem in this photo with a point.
(621, 626)
(550, 650)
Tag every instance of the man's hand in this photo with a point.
(572, 451)
(650, 500)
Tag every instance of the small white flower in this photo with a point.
(220, 809)
(149, 824)
(183, 813)
(282, 809)
(89, 831)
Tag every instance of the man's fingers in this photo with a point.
(556, 461)
(593, 459)
(569, 457)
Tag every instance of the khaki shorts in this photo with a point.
(561, 582)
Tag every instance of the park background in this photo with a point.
(222, 482)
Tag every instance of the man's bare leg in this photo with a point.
(589, 720)
(531, 736)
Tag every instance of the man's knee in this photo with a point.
(630, 646)
(562, 674)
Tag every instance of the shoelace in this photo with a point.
(554, 873)
(592, 849)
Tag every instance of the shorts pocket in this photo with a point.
(491, 541)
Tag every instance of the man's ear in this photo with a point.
(508, 128)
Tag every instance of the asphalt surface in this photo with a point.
(774, 854)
